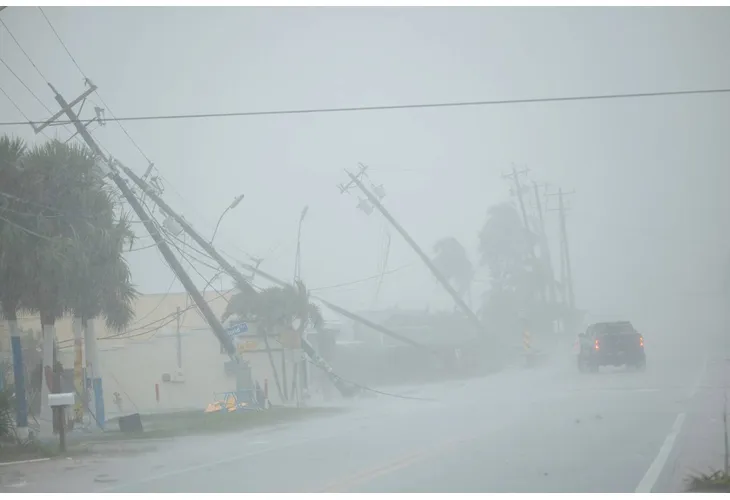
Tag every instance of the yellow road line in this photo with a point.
(401, 463)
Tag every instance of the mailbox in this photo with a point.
(61, 399)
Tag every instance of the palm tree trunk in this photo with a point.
(273, 365)
(93, 374)
(21, 417)
(79, 369)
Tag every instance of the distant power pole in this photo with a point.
(547, 257)
(565, 268)
(517, 190)
(373, 200)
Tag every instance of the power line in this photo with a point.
(106, 106)
(25, 229)
(26, 88)
(456, 104)
(361, 280)
(23, 51)
(60, 40)
(14, 104)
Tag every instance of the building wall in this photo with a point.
(134, 361)
(134, 369)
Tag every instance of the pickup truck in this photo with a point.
(611, 344)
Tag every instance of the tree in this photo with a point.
(516, 276)
(14, 241)
(275, 311)
(275, 308)
(14, 266)
(454, 264)
(67, 241)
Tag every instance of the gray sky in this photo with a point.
(649, 218)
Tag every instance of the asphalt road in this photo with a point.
(548, 429)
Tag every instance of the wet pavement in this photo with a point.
(547, 429)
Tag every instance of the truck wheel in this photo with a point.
(593, 367)
(581, 366)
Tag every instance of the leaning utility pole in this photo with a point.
(149, 225)
(515, 176)
(566, 269)
(241, 281)
(437, 274)
(347, 314)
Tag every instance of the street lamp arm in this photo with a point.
(219, 223)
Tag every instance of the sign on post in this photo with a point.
(246, 346)
(237, 329)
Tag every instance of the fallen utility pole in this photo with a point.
(164, 248)
(231, 270)
(443, 281)
(345, 312)
(375, 326)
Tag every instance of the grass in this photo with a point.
(190, 423)
(165, 426)
(34, 450)
(715, 482)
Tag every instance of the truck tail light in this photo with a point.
(641, 341)
(597, 345)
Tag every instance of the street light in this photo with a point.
(233, 205)
(297, 258)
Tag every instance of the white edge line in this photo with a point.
(652, 475)
(657, 466)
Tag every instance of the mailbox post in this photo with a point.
(58, 403)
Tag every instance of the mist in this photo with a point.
(646, 213)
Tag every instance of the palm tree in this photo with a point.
(77, 263)
(100, 285)
(14, 267)
(453, 262)
(61, 242)
(275, 308)
(275, 311)
(516, 277)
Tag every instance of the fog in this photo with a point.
(646, 220)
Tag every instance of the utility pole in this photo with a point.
(566, 269)
(241, 281)
(165, 250)
(346, 313)
(518, 190)
(298, 256)
(545, 243)
(355, 179)
(515, 176)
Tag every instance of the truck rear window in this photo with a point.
(615, 329)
